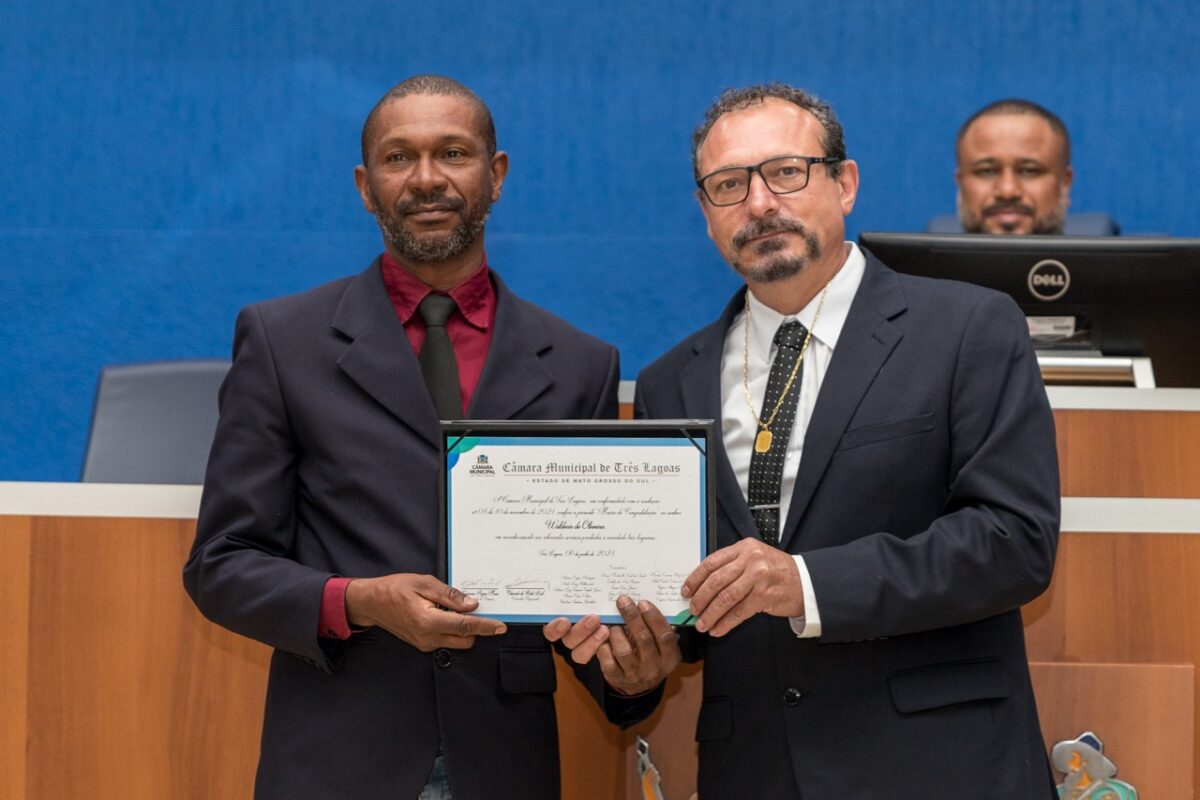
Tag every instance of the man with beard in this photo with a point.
(887, 493)
(1014, 169)
(318, 528)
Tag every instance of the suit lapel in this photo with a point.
(700, 382)
(514, 374)
(379, 357)
(867, 339)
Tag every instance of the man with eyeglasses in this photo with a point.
(1014, 169)
(887, 494)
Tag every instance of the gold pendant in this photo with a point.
(762, 442)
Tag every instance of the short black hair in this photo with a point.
(833, 139)
(1016, 105)
(432, 84)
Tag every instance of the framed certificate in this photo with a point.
(557, 519)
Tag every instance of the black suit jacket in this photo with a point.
(926, 507)
(325, 463)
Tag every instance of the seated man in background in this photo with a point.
(1014, 169)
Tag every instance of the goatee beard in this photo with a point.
(778, 268)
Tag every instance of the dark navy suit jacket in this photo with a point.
(927, 510)
(326, 462)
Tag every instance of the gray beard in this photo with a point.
(435, 249)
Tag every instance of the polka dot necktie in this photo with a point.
(766, 469)
(438, 365)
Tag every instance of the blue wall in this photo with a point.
(163, 163)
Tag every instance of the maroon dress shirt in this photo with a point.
(470, 332)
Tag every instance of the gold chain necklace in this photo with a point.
(762, 441)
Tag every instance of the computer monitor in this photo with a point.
(1127, 296)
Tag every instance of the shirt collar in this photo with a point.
(474, 296)
(764, 320)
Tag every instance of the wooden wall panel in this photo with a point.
(15, 538)
(1120, 453)
(592, 750)
(132, 694)
(671, 734)
(135, 695)
(1129, 453)
(1142, 713)
(1120, 597)
(219, 691)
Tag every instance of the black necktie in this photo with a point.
(437, 357)
(766, 469)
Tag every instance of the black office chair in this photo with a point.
(1073, 225)
(154, 422)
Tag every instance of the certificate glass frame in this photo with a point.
(548, 519)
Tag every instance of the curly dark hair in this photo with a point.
(833, 140)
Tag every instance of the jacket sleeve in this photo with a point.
(241, 572)
(993, 546)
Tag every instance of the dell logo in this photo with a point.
(1049, 280)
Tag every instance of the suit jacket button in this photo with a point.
(442, 657)
(791, 695)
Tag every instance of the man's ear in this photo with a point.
(499, 168)
(847, 181)
(1064, 190)
(364, 188)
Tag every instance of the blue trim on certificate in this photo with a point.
(607, 619)
(594, 441)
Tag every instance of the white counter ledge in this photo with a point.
(1091, 514)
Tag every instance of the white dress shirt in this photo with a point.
(737, 371)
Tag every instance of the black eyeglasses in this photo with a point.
(782, 175)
